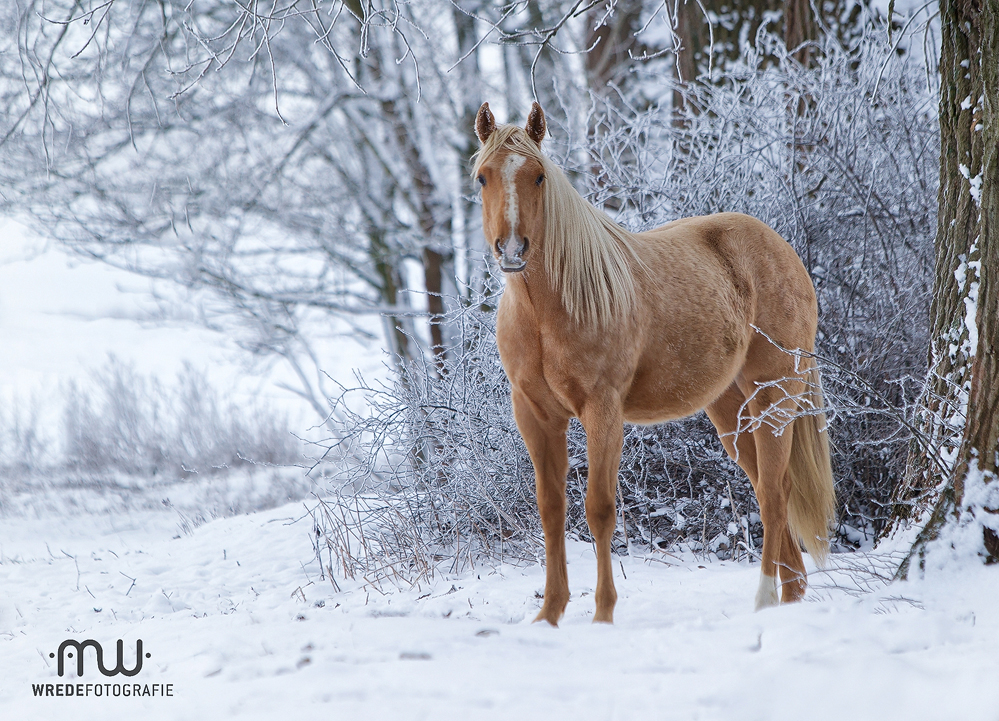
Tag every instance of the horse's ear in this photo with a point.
(536, 123)
(485, 123)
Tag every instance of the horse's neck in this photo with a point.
(534, 290)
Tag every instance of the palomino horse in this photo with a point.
(609, 326)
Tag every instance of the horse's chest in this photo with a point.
(551, 365)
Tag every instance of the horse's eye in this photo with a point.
(481, 179)
(540, 180)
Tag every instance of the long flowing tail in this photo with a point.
(812, 501)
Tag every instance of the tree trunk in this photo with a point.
(471, 93)
(687, 24)
(395, 331)
(965, 311)
(798, 29)
(612, 44)
(434, 226)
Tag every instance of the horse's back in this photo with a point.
(753, 271)
(709, 282)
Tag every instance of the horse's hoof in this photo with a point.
(546, 617)
(766, 594)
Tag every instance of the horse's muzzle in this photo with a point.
(511, 254)
(512, 268)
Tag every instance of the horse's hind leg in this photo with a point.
(748, 449)
(772, 408)
(604, 427)
(734, 432)
(730, 415)
(544, 437)
(793, 579)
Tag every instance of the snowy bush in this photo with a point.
(137, 425)
(434, 467)
(130, 440)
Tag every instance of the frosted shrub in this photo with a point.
(133, 424)
(128, 440)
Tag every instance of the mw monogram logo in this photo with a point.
(99, 651)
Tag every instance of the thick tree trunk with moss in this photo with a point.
(961, 408)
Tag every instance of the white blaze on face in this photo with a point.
(512, 246)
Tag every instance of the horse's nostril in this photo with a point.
(526, 243)
(499, 245)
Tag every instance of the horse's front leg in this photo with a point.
(544, 436)
(604, 425)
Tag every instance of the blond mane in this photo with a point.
(586, 253)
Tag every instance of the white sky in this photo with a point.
(61, 316)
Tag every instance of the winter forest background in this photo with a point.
(294, 176)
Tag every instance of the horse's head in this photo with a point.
(512, 181)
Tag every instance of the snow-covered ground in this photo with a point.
(235, 617)
(237, 621)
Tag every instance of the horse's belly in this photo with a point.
(649, 408)
(665, 391)
(649, 417)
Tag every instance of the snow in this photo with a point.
(236, 618)
(961, 272)
(970, 320)
(975, 183)
(971, 317)
(964, 538)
